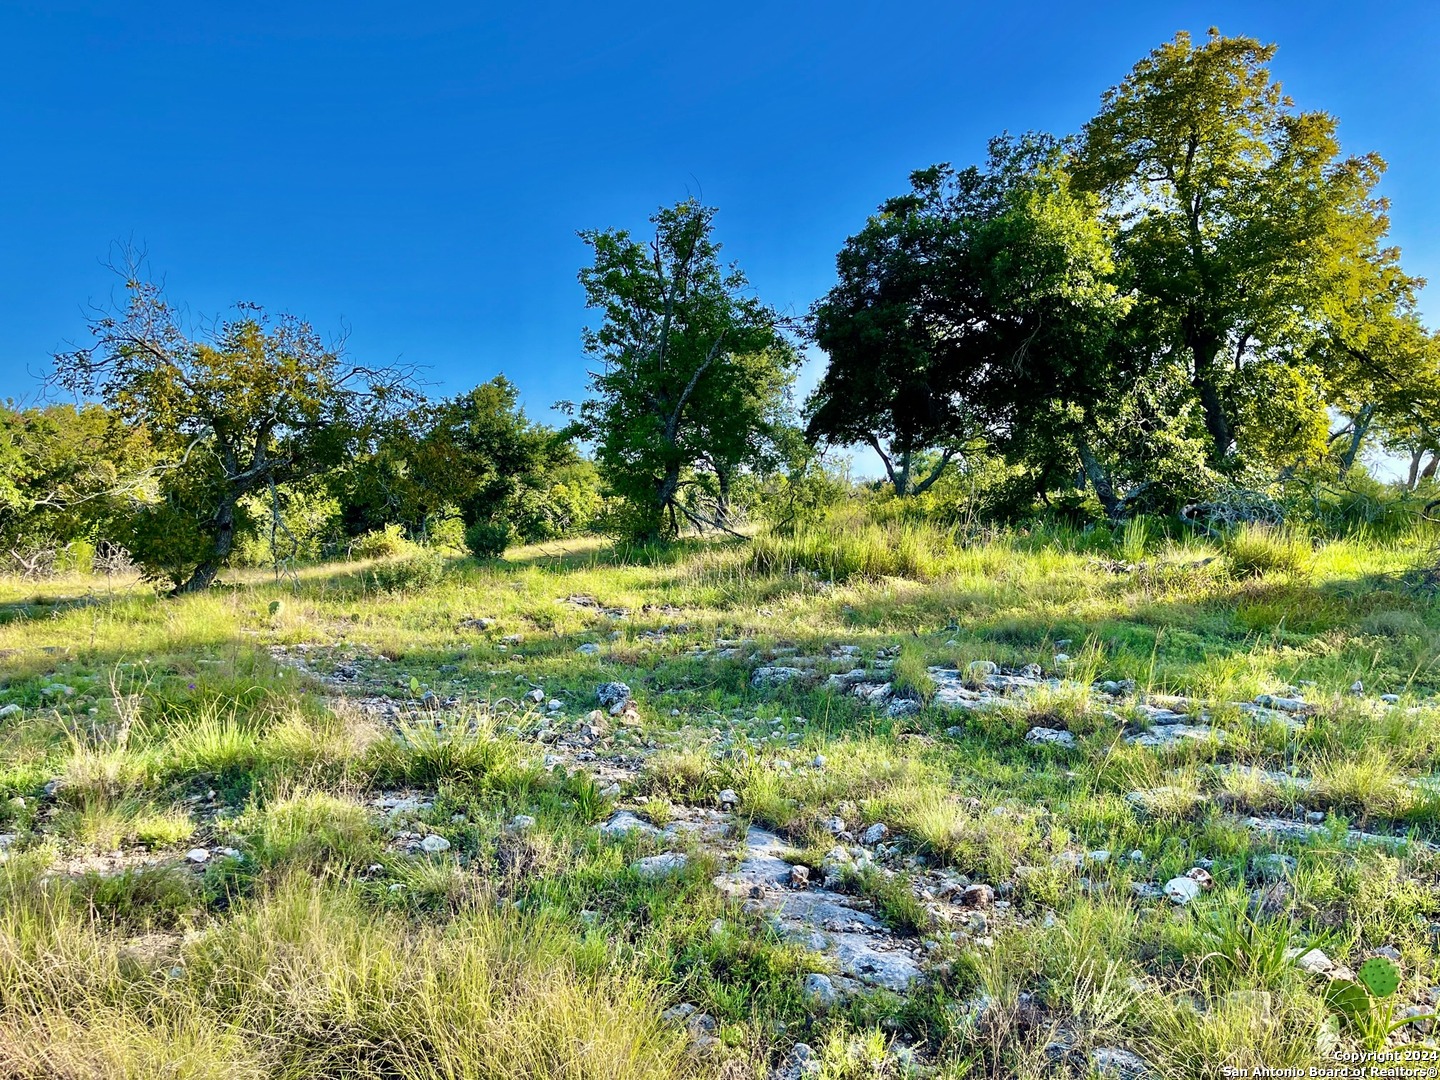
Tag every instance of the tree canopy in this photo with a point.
(1242, 229)
(1181, 297)
(244, 405)
(977, 308)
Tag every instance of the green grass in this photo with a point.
(327, 947)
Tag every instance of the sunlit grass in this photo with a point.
(329, 947)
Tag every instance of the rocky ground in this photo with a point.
(831, 831)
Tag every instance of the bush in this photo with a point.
(173, 535)
(382, 543)
(488, 539)
(419, 571)
(76, 557)
(445, 530)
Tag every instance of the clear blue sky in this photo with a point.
(419, 174)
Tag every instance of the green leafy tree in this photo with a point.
(1239, 223)
(887, 327)
(745, 428)
(691, 366)
(976, 310)
(1406, 412)
(478, 453)
(250, 403)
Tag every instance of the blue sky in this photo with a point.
(419, 175)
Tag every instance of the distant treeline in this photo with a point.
(1191, 307)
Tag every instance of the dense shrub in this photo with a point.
(309, 528)
(487, 539)
(418, 571)
(382, 543)
(445, 530)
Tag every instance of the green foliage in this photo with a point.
(478, 457)
(171, 535)
(910, 676)
(487, 539)
(383, 543)
(1380, 976)
(253, 403)
(296, 524)
(974, 272)
(1248, 950)
(68, 476)
(419, 570)
(1367, 1003)
(1243, 231)
(445, 530)
(422, 753)
(693, 370)
(839, 547)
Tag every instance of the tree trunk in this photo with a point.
(1416, 456)
(1099, 480)
(1204, 352)
(924, 485)
(902, 478)
(224, 525)
(665, 496)
(1428, 473)
(1216, 422)
(1359, 428)
(722, 498)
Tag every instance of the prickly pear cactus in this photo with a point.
(1380, 976)
(1348, 998)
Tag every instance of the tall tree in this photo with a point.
(887, 327)
(247, 404)
(1406, 413)
(978, 307)
(690, 363)
(1236, 210)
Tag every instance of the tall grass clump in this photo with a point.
(314, 831)
(422, 752)
(1253, 550)
(910, 675)
(307, 981)
(848, 544)
(1134, 539)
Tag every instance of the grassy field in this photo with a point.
(346, 826)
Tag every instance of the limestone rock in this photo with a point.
(820, 990)
(659, 866)
(1182, 890)
(1050, 736)
(624, 824)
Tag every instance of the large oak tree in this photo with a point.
(977, 308)
(1240, 224)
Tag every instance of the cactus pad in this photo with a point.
(1380, 976)
(1347, 998)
